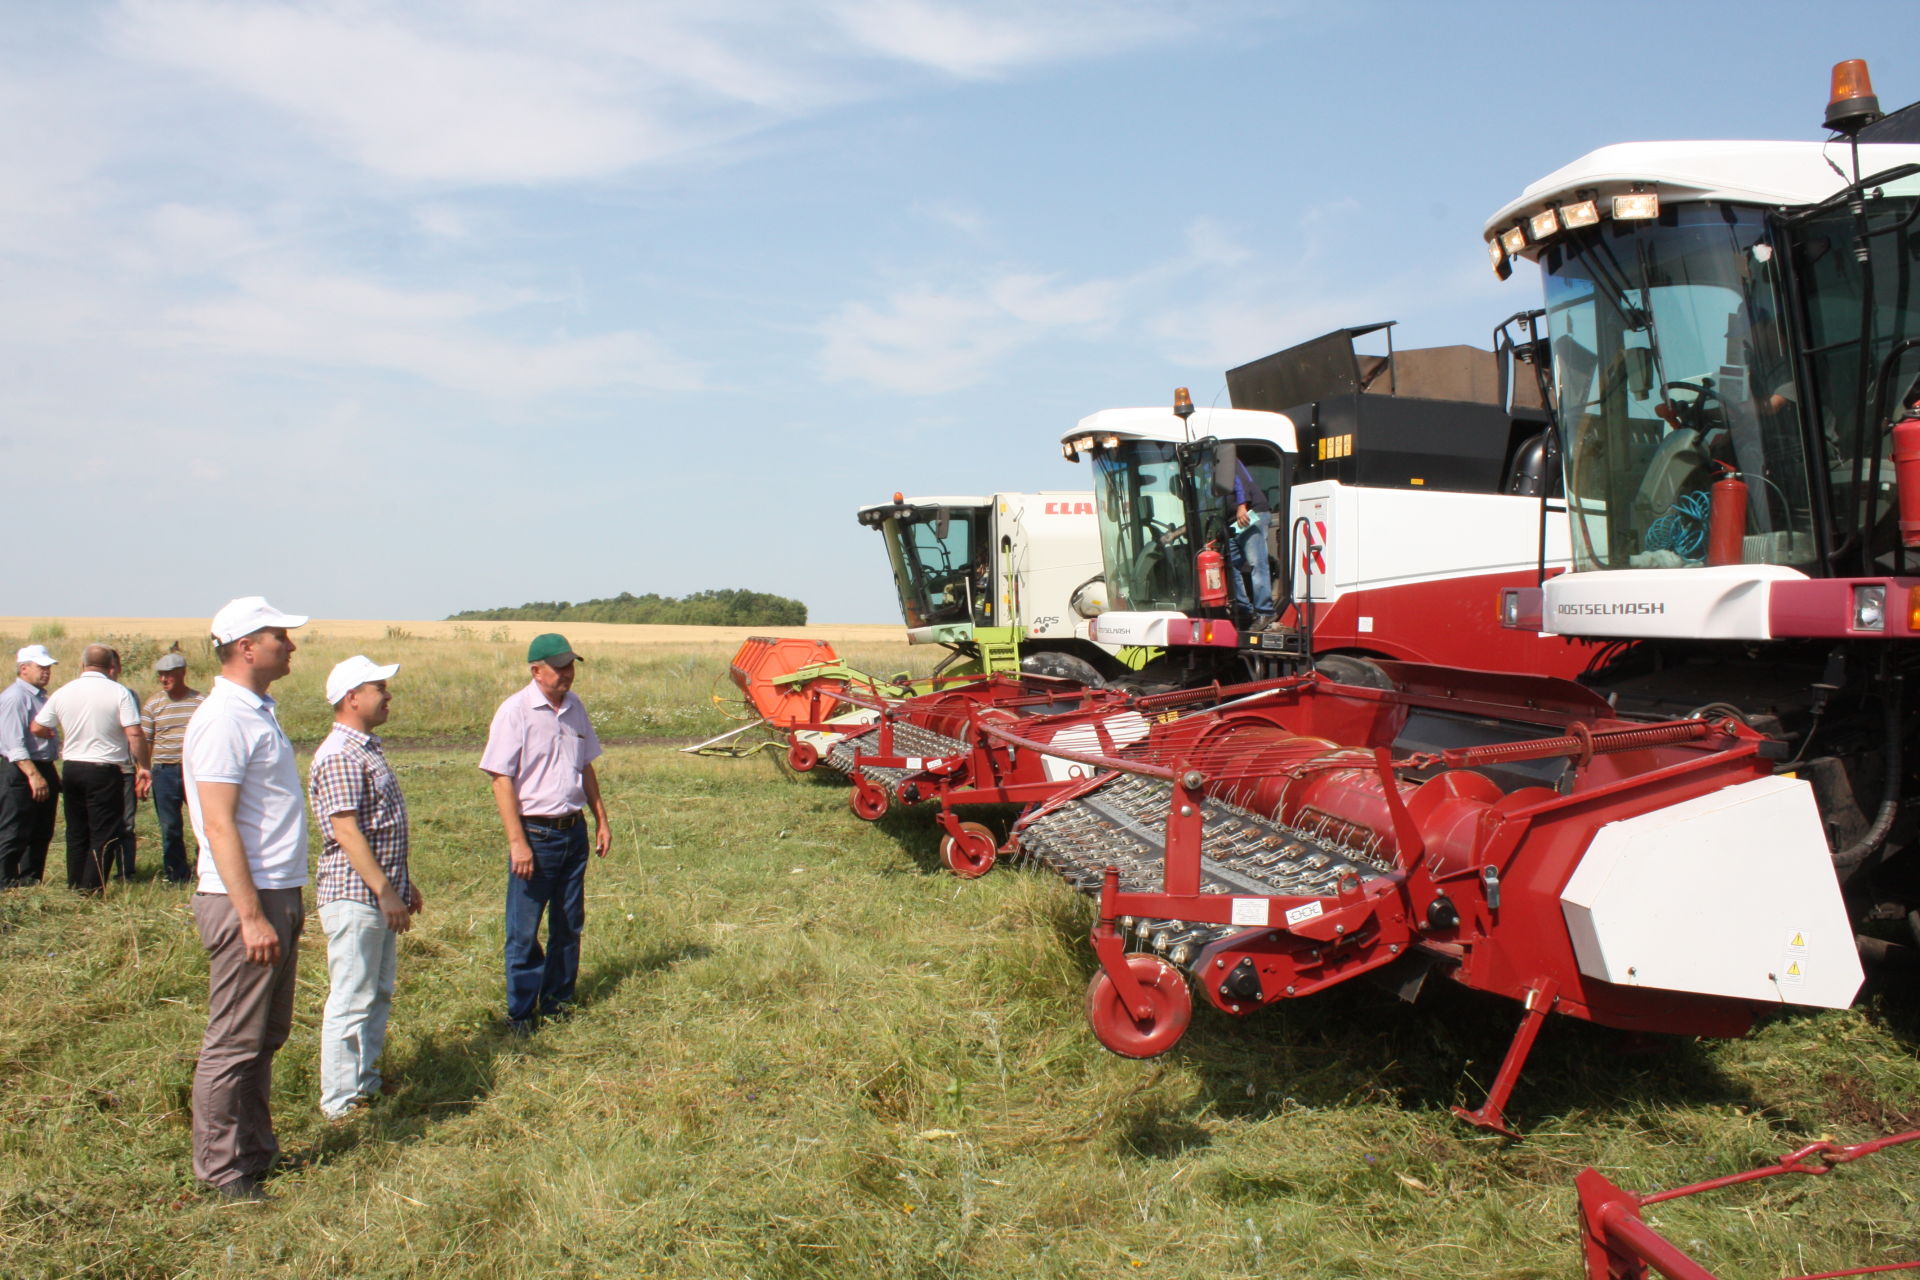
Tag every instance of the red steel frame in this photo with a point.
(1002, 767)
(1617, 1244)
(1452, 837)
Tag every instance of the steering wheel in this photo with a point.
(1693, 413)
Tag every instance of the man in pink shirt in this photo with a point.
(540, 753)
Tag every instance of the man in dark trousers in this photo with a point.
(30, 786)
(100, 736)
(540, 753)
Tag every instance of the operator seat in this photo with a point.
(1677, 460)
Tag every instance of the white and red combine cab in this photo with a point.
(1397, 492)
(1733, 333)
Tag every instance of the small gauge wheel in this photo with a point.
(869, 800)
(1171, 1008)
(802, 757)
(970, 854)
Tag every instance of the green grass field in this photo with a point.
(806, 1051)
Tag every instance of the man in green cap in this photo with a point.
(540, 754)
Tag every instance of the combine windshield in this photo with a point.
(1672, 371)
(1140, 495)
(940, 565)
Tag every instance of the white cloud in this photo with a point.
(400, 101)
(514, 92)
(438, 336)
(988, 39)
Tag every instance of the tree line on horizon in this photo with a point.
(721, 608)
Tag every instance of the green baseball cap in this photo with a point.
(552, 649)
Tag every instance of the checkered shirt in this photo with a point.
(351, 775)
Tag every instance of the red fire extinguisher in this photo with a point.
(1906, 474)
(1213, 576)
(1727, 520)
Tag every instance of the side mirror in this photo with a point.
(1639, 370)
(941, 523)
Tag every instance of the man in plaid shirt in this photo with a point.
(365, 897)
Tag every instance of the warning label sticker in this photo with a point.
(1300, 915)
(1797, 942)
(1249, 911)
(1793, 974)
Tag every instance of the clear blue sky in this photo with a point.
(391, 309)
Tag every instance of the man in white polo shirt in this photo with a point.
(243, 793)
(100, 736)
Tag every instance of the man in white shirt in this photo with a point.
(100, 735)
(243, 793)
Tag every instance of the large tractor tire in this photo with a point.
(1065, 666)
(1346, 668)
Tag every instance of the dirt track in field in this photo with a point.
(582, 634)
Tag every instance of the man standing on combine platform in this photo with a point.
(165, 717)
(540, 752)
(363, 892)
(243, 790)
(30, 789)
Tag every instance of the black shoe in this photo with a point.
(559, 1013)
(519, 1028)
(245, 1189)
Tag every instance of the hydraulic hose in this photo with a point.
(1849, 860)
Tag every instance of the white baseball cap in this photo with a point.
(35, 653)
(249, 614)
(354, 672)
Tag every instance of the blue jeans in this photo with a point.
(169, 794)
(360, 973)
(1247, 558)
(541, 981)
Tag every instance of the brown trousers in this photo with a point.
(249, 1014)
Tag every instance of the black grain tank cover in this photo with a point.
(1897, 126)
(1440, 427)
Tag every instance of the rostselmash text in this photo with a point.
(1613, 607)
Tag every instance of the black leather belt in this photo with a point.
(559, 822)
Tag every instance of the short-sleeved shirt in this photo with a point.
(350, 774)
(543, 750)
(234, 737)
(165, 720)
(19, 703)
(93, 715)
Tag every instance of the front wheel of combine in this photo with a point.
(1170, 1009)
(969, 855)
(869, 800)
(802, 757)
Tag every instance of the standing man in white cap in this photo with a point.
(540, 753)
(164, 717)
(30, 787)
(243, 791)
(100, 741)
(363, 892)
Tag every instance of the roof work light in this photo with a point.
(1852, 105)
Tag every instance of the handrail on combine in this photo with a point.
(1618, 1245)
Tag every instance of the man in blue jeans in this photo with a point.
(165, 717)
(540, 753)
(1251, 577)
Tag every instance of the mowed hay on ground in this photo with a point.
(805, 1051)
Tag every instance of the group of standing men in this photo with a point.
(116, 753)
(236, 769)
